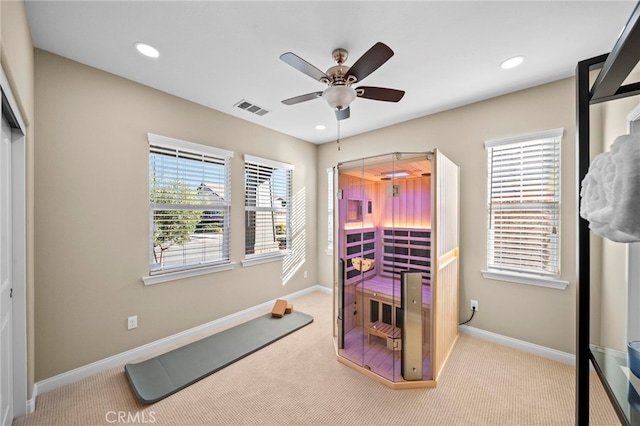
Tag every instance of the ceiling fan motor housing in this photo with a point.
(336, 75)
(337, 72)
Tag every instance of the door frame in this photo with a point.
(10, 109)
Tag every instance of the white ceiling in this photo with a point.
(217, 53)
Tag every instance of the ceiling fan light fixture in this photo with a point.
(339, 97)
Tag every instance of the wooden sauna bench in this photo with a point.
(386, 292)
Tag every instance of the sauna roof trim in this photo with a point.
(416, 165)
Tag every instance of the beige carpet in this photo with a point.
(297, 380)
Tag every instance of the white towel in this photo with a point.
(605, 230)
(611, 191)
(596, 204)
(625, 154)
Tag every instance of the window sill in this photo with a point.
(178, 275)
(515, 277)
(264, 258)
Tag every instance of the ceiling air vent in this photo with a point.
(251, 107)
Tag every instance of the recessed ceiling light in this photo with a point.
(147, 50)
(512, 62)
(321, 127)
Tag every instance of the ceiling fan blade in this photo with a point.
(379, 93)
(370, 61)
(303, 66)
(302, 98)
(342, 114)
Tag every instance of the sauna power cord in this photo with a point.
(473, 312)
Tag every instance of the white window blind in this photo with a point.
(267, 206)
(190, 201)
(524, 204)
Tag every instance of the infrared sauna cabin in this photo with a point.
(396, 266)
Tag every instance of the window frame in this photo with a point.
(537, 278)
(194, 269)
(330, 209)
(252, 259)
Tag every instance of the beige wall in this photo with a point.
(534, 314)
(92, 217)
(16, 52)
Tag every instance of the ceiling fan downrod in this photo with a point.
(337, 72)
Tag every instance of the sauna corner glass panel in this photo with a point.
(352, 243)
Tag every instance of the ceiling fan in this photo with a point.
(341, 77)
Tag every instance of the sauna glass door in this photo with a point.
(383, 216)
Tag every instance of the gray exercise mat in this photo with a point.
(161, 376)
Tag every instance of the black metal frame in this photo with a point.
(614, 67)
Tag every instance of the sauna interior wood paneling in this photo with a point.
(405, 249)
(356, 243)
(410, 208)
(359, 243)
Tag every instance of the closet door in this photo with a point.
(444, 289)
(6, 283)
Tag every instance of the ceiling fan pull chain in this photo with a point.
(338, 137)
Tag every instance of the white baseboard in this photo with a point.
(158, 345)
(543, 351)
(31, 403)
(323, 289)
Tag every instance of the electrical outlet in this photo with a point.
(132, 322)
(305, 274)
(474, 305)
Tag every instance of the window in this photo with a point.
(267, 208)
(523, 237)
(189, 203)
